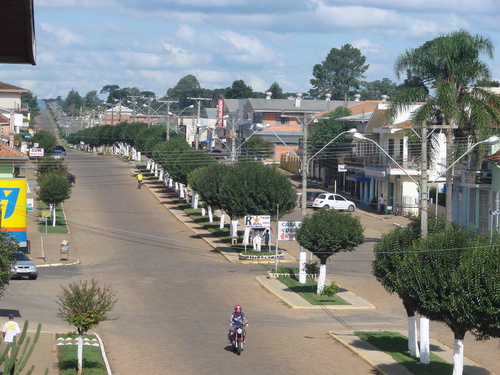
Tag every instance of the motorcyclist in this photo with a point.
(236, 319)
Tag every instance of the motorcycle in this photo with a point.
(238, 337)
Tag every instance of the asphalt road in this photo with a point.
(175, 293)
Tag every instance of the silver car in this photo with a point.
(24, 266)
(333, 202)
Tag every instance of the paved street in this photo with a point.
(176, 292)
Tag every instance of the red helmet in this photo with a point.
(237, 308)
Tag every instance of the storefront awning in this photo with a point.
(358, 177)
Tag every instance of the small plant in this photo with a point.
(311, 269)
(331, 290)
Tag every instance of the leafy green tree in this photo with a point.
(389, 253)
(188, 86)
(448, 68)
(239, 90)
(91, 99)
(322, 133)
(252, 188)
(206, 181)
(8, 246)
(33, 108)
(326, 233)
(259, 148)
(85, 306)
(375, 89)
(73, 102)
(432, 276)
(53, 188)
(276, 91)
(45, 140)
(339, 73)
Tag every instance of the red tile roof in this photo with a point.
(495, 158)
(10, 153)
(5, 87)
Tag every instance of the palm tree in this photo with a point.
(448, 69)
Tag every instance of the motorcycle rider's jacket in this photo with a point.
(238, 318)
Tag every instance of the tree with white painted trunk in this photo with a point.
(84, 305)
(452, 277)
(326, 233)
(389, 253)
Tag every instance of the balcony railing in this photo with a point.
(383, 161)
(476, 178)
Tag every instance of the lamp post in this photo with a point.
(177, 116)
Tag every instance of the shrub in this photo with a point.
(331, 290)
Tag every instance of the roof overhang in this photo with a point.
(17, 32)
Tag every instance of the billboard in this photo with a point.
(13, 203)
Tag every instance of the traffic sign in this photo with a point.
(287, 230)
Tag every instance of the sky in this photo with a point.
(152, 44)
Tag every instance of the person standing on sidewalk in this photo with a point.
(10, 330)
(381, 202)
(139, 180)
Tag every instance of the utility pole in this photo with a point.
(167, 136)
(233, 141)
(197, 132)
(304, 168)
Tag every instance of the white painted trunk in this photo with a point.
(139, 156)
(80, 354)
(181, 191)
(186, 194)
(425, 352)
(176, 188)
(458, 357)
(321, 278)
(412, 337)
(302, 267)
(222, 219)
(54, 216)
(195, 200)
(148, 164)
(246, 236)
(203, 211)
(210, 215)
(233, 230)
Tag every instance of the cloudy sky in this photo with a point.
(151, 44)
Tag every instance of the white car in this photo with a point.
(23, 266)
(333, 202)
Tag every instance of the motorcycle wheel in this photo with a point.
(238, 347)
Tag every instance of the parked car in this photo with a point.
(218, 153)
(24, 266)
(58, 154)
(333, 202)
(310, 197)
(60, 148)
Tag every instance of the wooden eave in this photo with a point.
(17, 32)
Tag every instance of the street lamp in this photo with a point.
(177, 116)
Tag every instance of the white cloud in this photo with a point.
(62, 36)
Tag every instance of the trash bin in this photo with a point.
(64, 252)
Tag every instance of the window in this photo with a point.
(258, 118)
(282, 120)
(391, 147)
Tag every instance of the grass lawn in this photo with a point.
(60, 227)
(308, 291)
(396, 345)
(68, 362)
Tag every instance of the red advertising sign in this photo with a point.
(220, 112)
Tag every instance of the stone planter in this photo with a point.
(260, 257)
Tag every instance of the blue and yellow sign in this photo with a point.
(13, 201)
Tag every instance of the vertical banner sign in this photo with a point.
(220, 112)
(13, 201)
